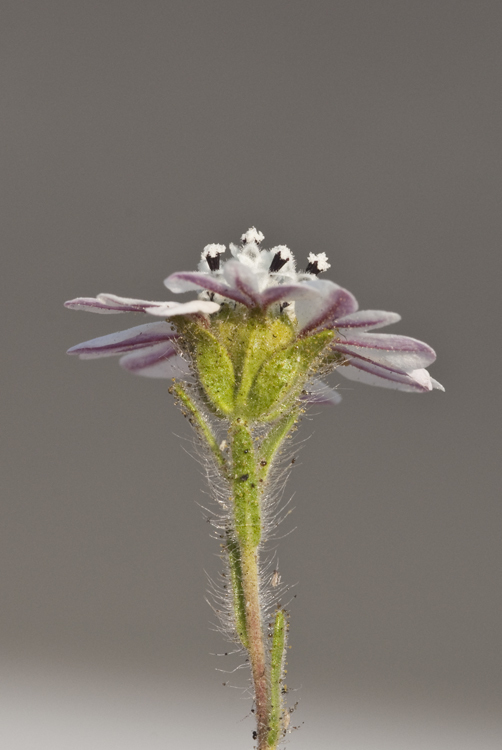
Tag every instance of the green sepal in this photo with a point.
(284, 374)
(215, 370)
(277, 656)
(246, 496)
(264, 338)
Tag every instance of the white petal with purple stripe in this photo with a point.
(125, 341)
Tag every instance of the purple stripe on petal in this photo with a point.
(322, 311)
(286, 292)
(160, 360)
(371, 373)
(186, 281)
(110, 303)
(124, 341)
(91, 304)
(246, 281)
(366, 319)
(400, 351)
(174, 367)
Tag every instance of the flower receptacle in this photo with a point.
(251, 366)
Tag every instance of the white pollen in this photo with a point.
(283, 250)
(252, 235)
(321, 259)
(213, 250)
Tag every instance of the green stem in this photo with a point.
(247, 524)
(236, 579)
(277, 657)
(256, 647)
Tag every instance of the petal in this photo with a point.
(366, 319)
(372, 374)
(195, 306)
(110, 303)
(124, 341)
(189, 281)
(157, 361)
(437, 385)
(321, 311)
(280, 292)
(320, 393)
(246, 280)
(402, 352)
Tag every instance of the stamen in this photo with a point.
(212, 253)
(281, 257)
(252, 235)
(317, 263)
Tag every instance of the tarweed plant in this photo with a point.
(245, 358)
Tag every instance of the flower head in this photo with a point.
(259, 323)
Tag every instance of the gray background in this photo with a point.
(133, 133)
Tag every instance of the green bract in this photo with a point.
(251, 366)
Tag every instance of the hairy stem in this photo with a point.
(256, 647)
(277, 656)
(248, 475)
(248, 529)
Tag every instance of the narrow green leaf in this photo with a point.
(273, 441)
(197, 419)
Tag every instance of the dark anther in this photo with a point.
(213, 261)
(313, 268)
(277, 263)
(244, 477)
(255, 735)
(263, 463)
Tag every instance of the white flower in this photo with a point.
(268, 280)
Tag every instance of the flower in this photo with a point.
(264, 284)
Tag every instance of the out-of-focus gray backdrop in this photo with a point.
(134, 133)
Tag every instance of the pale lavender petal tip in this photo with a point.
(321, 393)
(367, 319)
(110, 303)
(371, 373)
(194, 307)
